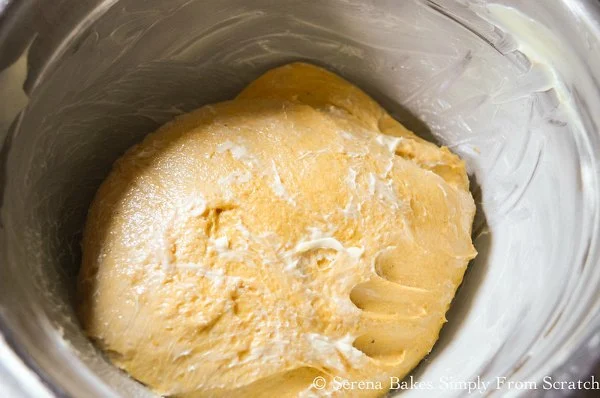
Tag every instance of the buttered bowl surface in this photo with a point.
(509, 86)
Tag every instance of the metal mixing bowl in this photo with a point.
(511, 86)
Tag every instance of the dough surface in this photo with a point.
(251, 245)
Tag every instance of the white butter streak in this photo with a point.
(328, 243)
(334, 353)
(236, 150)
(236, 177)
(278, 187)
(389, 142)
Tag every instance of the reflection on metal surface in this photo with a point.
(473, 74)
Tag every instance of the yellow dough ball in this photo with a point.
(252, 245)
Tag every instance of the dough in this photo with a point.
(251, 245)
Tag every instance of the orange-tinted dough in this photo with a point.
(252, 245)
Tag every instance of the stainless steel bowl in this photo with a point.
(513, 86)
